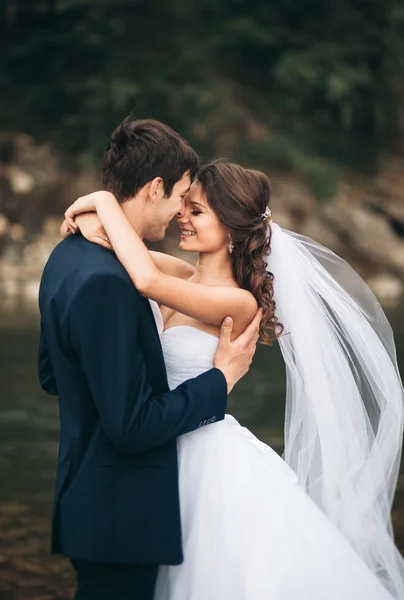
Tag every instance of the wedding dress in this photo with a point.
(250, 532)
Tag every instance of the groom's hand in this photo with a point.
(234, 358)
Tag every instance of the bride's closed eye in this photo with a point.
(195, 212)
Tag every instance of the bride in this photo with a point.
(316, 524)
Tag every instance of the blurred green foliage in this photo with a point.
(319, 76)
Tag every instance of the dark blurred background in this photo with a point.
(312, 92)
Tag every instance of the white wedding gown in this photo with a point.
(249, 530)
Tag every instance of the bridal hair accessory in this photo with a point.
(344, 396)
(266, 214)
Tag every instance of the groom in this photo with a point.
(116, 511)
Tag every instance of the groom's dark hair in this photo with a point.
(139, 151)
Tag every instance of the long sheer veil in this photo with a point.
(344, 399)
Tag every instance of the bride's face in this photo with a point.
(201, 230)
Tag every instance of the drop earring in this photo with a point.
(231, 246)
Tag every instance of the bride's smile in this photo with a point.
(201, 230)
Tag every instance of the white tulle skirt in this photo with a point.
(251, 533)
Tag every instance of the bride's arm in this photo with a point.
(206, 303)
(92, 229)
(171, 265)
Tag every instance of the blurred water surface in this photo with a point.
(29, 431)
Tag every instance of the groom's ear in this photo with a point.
(156, 189)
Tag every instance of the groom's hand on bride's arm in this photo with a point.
(234, 358)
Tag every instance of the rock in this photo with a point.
(367, 233)
(38, 160)
(4, 561)
(30, 290)
(9, 287)
(13, 509)
(33, 184)
(28, 567)
(3, 225)
(394, 207)
(14, 534)
(21, 182)
(317, 229)
(388, 289)
(283, 218)
(16, 232)
(388, 195)
(291, 196)
(51, 227)
(85, 181)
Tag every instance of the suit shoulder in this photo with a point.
(77, 255)
(76, 262)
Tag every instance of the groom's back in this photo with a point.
(72, 263)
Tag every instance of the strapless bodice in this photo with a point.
(188, 352)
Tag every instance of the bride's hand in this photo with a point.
(91, 228)
(86, 204)
(65, 230)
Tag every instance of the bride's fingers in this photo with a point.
(64, 229)
(72, 228)
(69, 219)
(81, 205)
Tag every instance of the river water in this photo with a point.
(29, 429)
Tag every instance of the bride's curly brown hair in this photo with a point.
(239, 197)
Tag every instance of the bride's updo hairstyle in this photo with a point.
(239, 197)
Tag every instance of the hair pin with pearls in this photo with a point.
(266, 214)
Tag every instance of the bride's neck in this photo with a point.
(214, 269)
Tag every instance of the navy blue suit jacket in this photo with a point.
(116, 494)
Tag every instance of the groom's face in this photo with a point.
(165, 208)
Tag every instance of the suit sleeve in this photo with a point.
(104, 325)
(45, 369)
